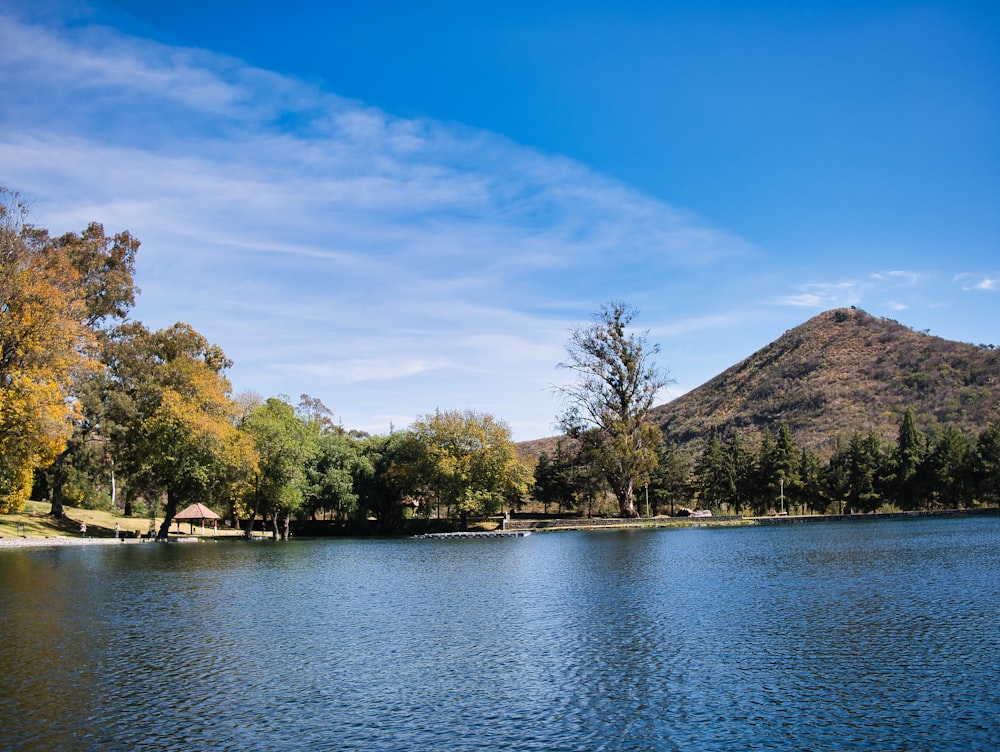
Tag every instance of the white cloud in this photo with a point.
(978, 283)
(328, 246)
(825, 295)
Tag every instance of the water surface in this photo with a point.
(839, 636)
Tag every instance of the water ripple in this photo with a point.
(836, 637)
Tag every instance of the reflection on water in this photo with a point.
(823, 637)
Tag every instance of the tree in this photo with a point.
(786, 483)
(948, 469)
(669, 482)
(987, 463)
(714, 474)
(330, 475)
(860, 469)
(554, 478)
(907, 458)
(764, 482)
(811, 479)
(607, 407)
(45, 344)
(743, 469)
(386, 476)
(284, 446)
(105, 267)
(176, 420)
(469, 462)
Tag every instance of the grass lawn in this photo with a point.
(37, 524)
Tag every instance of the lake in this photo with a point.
(830, 636)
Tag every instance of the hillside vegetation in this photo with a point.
(842, 371)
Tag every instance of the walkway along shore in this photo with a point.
(603, 523)
(65, 540)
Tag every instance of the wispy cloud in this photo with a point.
(387, 265)
(885, 290)
(824, 295)
(978, 282)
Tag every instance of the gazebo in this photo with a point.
(195, 512)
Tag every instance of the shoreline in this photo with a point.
(65, 540)
(539, 526)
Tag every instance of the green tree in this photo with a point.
(811, 482)
(387, 478)
(469, 462)
(175, 418)
(670, 482)
(714, 475)
(743, 469)
(987, 464)
(554, 478)
(284, 445)
(105, 267)
(764, 478)
(330, 476)
(949, 469)
(608, 406)
(906, 461)
(862, 465)
(786, 483)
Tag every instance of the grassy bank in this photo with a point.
(34, 522)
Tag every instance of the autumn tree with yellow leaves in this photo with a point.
(54, 294)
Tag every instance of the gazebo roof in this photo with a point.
(197, 512)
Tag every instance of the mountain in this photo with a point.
(839, 372)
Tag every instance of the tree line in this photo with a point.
(96, 410)
(761, 473)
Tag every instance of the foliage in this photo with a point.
(571, 478)
(987, 464)
(906, 461)
(714, 475)
(175, 419)
(330, 476)
(388, 476)
(45, 344)
(608, 405)
(468, 462)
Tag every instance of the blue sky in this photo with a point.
(400, 207)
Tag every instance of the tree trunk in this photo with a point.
(57, 510)
(626, 502)
(286, 532)
(56, 491)
(168, 515)
(274, 526)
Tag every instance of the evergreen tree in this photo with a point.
(909, 454)
(669, 485)
(714, 475)
(987, 464)
(949, 470)
(742, 464)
